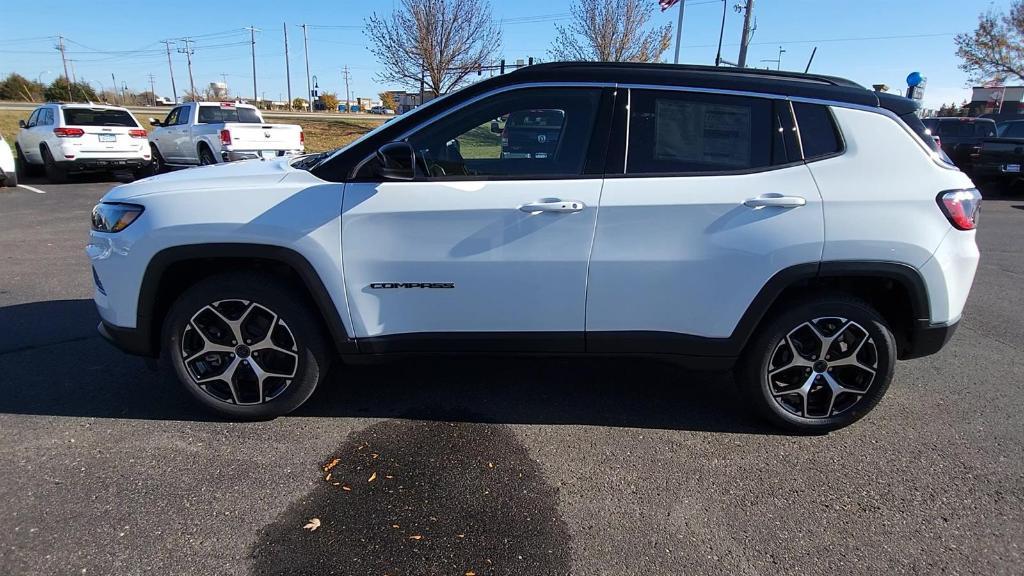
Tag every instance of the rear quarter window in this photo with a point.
(98, 117)
(818, 132)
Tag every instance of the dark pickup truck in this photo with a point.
(961, 138)
(1001, 158)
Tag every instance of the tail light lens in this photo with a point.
(225, 137)
(137, 133)
(302, 137)
(961, 207)
(68, 132)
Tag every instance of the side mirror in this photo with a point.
(155, 122)
(21, 124)
(397, 161)
(495, 127)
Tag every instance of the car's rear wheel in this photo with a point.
(244, 346)
(54, 173)
(819, 366)
(10, 179)
(206, 156)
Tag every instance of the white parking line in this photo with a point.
(36, 190)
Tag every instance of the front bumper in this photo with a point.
(926, 339)
(129, 340)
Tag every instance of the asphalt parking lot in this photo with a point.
(492, 466)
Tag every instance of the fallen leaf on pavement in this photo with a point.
(331, 464)
(375, 455)
(346, 488)
(394, 525)
(388, 476)
(415, 537)
(490, 464)
(460, 535)
(470, 573)
(372, 477)
(313, 524)
(328, 477)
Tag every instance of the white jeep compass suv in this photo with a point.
(798, 227)
(63, 139)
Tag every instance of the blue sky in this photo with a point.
(869, 41)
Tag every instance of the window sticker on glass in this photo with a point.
(701, 132)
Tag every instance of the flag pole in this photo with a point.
(679, 28)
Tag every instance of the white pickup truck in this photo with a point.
(213, 132)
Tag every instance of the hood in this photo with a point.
(244, 174)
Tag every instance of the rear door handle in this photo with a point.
(775, 200)
(553, 205)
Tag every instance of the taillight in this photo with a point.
(961, 207)
(302, 137)
(68, 132)
(137, 133)
(225, 137)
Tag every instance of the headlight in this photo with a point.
(111, 217)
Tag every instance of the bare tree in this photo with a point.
(611, 31)
(443, 41)
(996, 48)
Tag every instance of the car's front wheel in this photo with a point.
(819, 366)
(244, 346)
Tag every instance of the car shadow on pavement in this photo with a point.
(55, 363)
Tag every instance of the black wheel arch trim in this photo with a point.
(146, 322)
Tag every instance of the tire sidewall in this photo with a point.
(54, 173)
(761, 350)
(276, 296)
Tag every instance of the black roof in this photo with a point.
(740, 79)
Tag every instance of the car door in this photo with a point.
(163, 136)
(479, 251)
(28, 138)
(711, 202)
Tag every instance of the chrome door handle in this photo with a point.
(775, 200)
(553, 205)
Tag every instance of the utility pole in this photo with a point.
(114, 87)
(287, 66)
(188, 51)
(309, 88)
(152, 90)
(679, 28)
(721, 32)
(748, 32)
(63, 58)
(348, 96)
(252, 47)
(174, 89)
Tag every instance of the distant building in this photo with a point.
(997, 101)
(406, 101)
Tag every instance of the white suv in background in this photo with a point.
(64, 139)
(799, 228)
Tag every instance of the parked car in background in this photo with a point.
(960, 138)
(200, 133)
(381, 110)
(8, 172)
(530, 133)
(63, 139)
(798, 227)
(1002, 158)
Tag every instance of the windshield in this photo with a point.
(218, 114)
(98, 117)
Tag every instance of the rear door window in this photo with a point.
(98, 117)
(818, 133)
(678, 132)
(1014, 130)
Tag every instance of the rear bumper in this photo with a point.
(129, 340)
(100, 164)
(234, 155)
(927, 339)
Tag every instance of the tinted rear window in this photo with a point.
(98, 117)
(818, 132)
(675, 132)
(216, 114)
(537, 118)
(965, 129)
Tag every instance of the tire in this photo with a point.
(785, 380)
(157, 165)
(54, 173)
(206, 157)
(22, 165)
(294, 348)
(11, 179)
